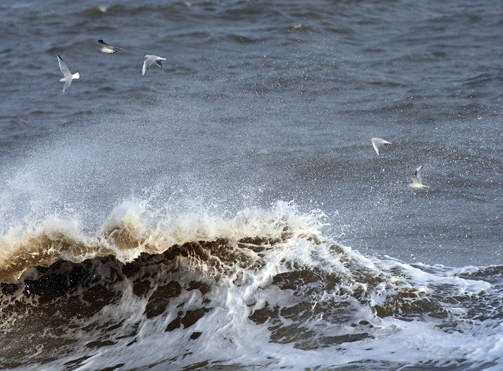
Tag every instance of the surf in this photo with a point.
(261, 288)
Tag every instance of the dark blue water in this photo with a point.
(228, 209)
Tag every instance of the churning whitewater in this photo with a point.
(261, 289)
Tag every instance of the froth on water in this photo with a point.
(262, 289)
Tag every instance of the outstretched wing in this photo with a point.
(63, 68)
(67, 85)
(417, 175)
(146, 64)
(376, 143)
(376, 147)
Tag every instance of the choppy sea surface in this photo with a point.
(228, 211)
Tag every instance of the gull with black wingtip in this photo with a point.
(108, 49)
(69, 77)
(417, 181)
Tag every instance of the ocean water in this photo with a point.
(227, 211)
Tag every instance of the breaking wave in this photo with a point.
(258, 289)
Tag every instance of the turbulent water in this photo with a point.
(227, 211)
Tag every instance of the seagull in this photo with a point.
(108, 49)
(416, 179)
(149, 59)
(377, 142)
(68, 75)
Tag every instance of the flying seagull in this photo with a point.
(149, 59)
(109, 49)
(68, 75)
(417, 181)
(377, 142)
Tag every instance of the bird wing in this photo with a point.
(417, 175)
(63, 68)
(148, 62)
(67, 84)
(376, 146)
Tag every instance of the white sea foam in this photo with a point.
(300, 301)
(228, 335)
(134, 228)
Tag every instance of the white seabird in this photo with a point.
(417, 181)
(377, 142)
(68, 75)
(108, 49)
(149, 59)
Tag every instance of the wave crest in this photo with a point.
(134, 228)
